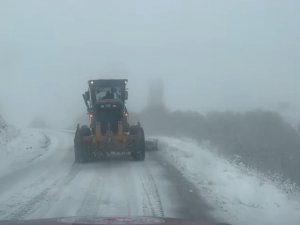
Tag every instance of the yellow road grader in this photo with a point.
(109, 131)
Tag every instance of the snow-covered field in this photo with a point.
(239, 195)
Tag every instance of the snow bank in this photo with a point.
(28, 146)
(7, 132)
(2, 123)
(239, 195)
(19, 148)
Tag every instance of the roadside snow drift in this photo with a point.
(7, 132)
(19, 148)
(239, 195)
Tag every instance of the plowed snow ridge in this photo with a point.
(240, 197)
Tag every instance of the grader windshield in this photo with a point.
(108, 89)
(103, 93)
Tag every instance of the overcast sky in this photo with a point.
(211, 55)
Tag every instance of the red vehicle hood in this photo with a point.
(109, 221)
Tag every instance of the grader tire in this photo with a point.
(81, 151)
(139, 149)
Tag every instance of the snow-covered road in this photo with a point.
(39, 179)
(48, 184)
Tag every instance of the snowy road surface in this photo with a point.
(49, 184)
(38, 179)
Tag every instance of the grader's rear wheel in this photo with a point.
(138, 153)
(80, 148)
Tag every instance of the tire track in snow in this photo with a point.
(189, 203)
(28, 198)
(75, 169)
(115, 194)
(152, 204)
(56, 200)
(20, 209)
(90, 204)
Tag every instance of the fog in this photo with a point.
(208, 55)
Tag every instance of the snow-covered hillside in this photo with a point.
(239, 195)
